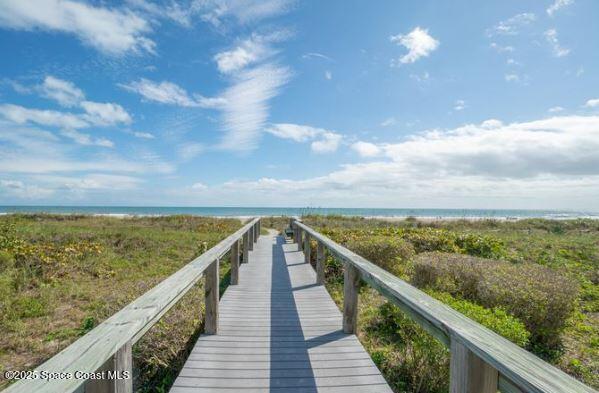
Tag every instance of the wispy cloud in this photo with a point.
(217, 12)
(322, 140)
(110, 31)
(316, 55)
(512, 25)
(555, 109)
(502, 48)
(558, 50)
(557, 5)
(86, 139)
(61, 91)
(418, 42)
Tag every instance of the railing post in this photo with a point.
(121, 364)
(246, 247)
(307, 248)
(351, 282)
(255, 229)
(300, 245)
(211, 288)
(468, 373)
(235, 263)
(251, 238)
(320, 257)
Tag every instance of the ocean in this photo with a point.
(294, 211)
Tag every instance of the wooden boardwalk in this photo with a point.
(278, 332)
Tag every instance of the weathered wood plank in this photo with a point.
(211, 288)
(517, 367)
(118, 374)
(307, 248)
(469, 373)
(234, 255)
(320, 259)
(351, 285)
(278, 330)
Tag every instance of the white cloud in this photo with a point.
(243, 11)
(105, 114)
(296, 132)
(390, 121)
(366, 149)
(247, 104)
(328, 143)
(170, 93)
(558, 50)
(86, 139)
(22, 115)
(459, 105)
(316, 55)
(512, 62)
(110, 31)
(248, 52)
(328, 75)
(557, 5)
(63, 92)
(198, 186)
(323, 141)
(532, 163)
(418, 43)
(143, 135)
(593, 103)
(163, 92)
(491, 124)
(555, 109)
(30, 150)
(512, 25)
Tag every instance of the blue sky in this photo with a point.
(457, 104)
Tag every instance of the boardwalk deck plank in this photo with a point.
(278, 332)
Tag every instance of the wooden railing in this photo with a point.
(481, 360)
(107, 348)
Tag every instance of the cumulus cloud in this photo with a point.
(108, 30)
(22, 115)
(366, 149)
(491, 160)
(322, 140)
(418, 42)
(593, 103)
(512, 25)
(557, 5)
(558, 50)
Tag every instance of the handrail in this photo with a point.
(477, 353)
(92, 351)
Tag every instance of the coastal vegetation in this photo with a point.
(61, 275)
(534, 281)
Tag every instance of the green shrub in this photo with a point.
(540, 297)
(496, 318)
(390, 253)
